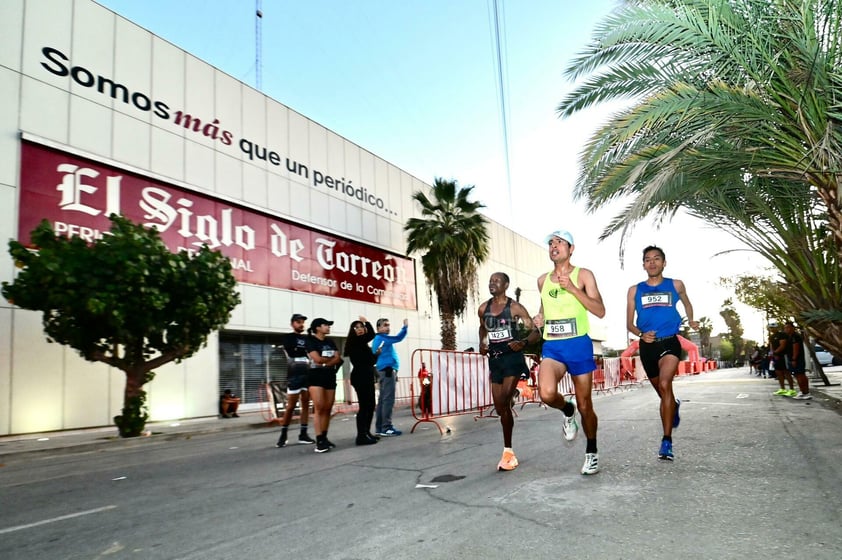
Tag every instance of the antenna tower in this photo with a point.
(258, 45)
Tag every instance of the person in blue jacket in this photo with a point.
(387, 369)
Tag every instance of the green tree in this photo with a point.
(453, 239)
(732, 115)
(762, 293)
(726, 349)
(124, 300)
(705, 328)
(735, 327)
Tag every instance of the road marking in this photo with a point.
(426, 486)
(695, 402)
(54, 519)
(742, 396)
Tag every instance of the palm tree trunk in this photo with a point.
(448, 331)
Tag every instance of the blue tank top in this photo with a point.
(655, 306)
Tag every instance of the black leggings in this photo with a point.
(363, 383)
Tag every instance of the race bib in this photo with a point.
(656, 299)
(561, 328)
(500, 335)
(328, 353)
(301, 360)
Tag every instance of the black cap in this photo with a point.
(319, 322)
(297, 317)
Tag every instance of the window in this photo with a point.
(247, 361)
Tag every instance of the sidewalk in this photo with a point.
(74, 441)
(833, 391)
(100, 439)
(93, 439)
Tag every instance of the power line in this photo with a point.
(499, 52)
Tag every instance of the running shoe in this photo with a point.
(304, 438)
(570, 427)
(665, 452)
(508, 462)
(791, 393)
(803, 397)
(591, 465)
(390, 431)
(322, 447)
(676, 419)
(781, 392)
(282, 441)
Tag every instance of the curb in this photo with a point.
(107, 442)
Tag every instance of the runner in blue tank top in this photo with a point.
(658, 323)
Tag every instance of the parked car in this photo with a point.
(824, 357)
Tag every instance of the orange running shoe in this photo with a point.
(508, 462)
(524, 389)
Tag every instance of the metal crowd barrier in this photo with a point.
(460, 384)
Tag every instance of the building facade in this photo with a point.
(102, 116)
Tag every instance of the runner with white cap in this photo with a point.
(568, 294)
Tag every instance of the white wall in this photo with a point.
(48, 387)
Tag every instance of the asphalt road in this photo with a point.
(755, 476)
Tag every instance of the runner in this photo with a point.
(568, 294)
(658, 323)
(499, 318)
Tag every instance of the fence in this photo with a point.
(460, 384)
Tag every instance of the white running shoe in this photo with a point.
(570, 427)
(803, 397)
(591, 465)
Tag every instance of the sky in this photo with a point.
(416, 83)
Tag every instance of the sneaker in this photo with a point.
(570, 427)
(390, 431)
(791, 393)
(322, 447)
(676, 419)
(508, 462)
(365, 440)
(282, 441)
(304, 438)
(803, 397)
(665, 452)
(591, 465)
(781, 392)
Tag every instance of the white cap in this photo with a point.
(561, 234)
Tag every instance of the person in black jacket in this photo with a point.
(362, 359)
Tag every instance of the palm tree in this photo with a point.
(453, 238)
(734, 115)
(705, 328)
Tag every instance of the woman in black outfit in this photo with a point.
(362, 376)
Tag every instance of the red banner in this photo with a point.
(77, 195)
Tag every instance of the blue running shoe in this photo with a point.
(666, 451)
(676, 419)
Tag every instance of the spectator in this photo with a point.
(324, 363)
(795, 361)
(294, 345)
(228, 404)
(362, 376)
(387, 369)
